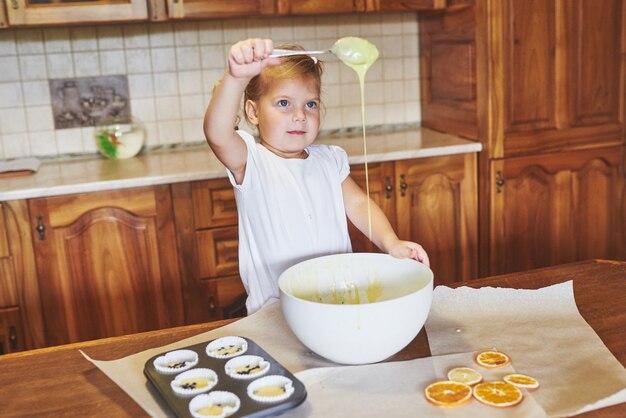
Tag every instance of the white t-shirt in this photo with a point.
(290, 210)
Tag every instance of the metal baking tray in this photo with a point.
(249, 407)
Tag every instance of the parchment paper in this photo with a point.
(396, 390)
(544, 334)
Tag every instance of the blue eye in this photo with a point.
(283, 102)
(311, 105)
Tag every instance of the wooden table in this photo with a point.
(58, 381)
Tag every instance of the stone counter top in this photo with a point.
(199, 163)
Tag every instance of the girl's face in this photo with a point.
(287, 116)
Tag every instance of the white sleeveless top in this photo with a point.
(290, 210)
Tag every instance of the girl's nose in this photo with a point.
(299, 116)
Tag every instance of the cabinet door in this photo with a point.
(310, 7)
(42, 12)
(193, 9)
(437, 208)
(106, 263)
(381, 189)
(562, 75)
(554, 209)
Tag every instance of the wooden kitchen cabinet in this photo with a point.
(106, 263)
(53, 12)
(552, 209)
(431, 201)
(540, 84)
(207, 233)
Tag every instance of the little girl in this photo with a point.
(292, 195)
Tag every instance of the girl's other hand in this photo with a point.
(247, 58)
(408, 249)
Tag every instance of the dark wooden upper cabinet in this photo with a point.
(311, 7)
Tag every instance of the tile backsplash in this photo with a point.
(171, 69)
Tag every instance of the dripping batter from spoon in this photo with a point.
(293, 196)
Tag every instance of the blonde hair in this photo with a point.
(296, 66)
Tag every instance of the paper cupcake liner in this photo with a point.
(176, 361)
(226, 347)
(227, 401)
(182, 387)
(255, 366)
(268, 383)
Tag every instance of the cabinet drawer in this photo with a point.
(11, 331)
(218, 252)
(225, 297)
(213, 204)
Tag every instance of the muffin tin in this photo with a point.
(249, 404)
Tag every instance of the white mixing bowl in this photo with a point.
(356, 308)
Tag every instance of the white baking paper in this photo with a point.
(544, 334)
(396, 389)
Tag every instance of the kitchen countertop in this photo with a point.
(199, 163)
(58, 381)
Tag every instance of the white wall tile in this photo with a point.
(170, 132)
(282, 32)
(392, 24)
(8, 46)
(188, 58)
(161, 34)
(15, 145)
(213, 56)
(140, 85)
(29, 41)
(69, 141)
(40, 118)
(192, 107)
(36, 92)
(84, 39)
(33, 67)
(13, 120)
(110, 37)
(348, 25)
(43, 144)
(163, 59)
(210, 32)
(10, 68)
(209, 78)
(167, 108)
(60, 65)
(86, 64)
(234, 31)
(165, 84)
(186, 34)
(138, 61)
(89, 141)
(393, 69)
(192, 131)
(143, 109)
(112, 62)
(136, 36)
(57, 40)
(189, 82)
(11, 94)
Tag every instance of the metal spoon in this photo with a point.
(291, 52)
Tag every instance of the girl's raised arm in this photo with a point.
(246, 59)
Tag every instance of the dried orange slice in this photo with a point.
(447, 393)
(465, 375)
(492, 359)
(498, 394)
(521, 381)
